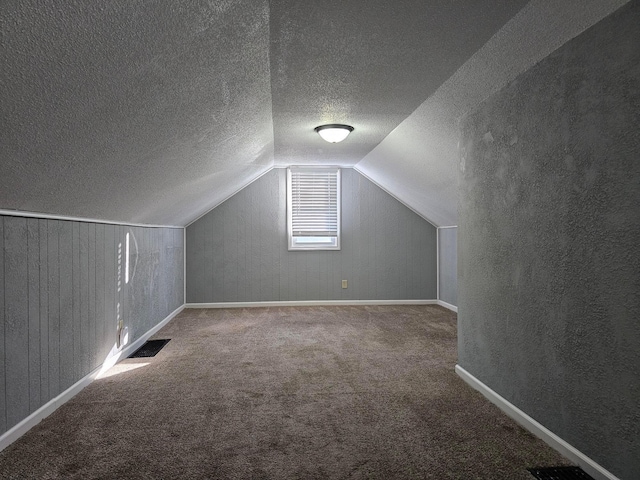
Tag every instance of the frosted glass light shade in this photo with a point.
(334, 133)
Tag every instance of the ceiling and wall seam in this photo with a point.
(230, 195)
(420, 158)
(377, 184)
(352, 168)
(135, 112)
(20, 213)
(155, 115)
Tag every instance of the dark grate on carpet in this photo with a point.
(559, 473)
(149, 349)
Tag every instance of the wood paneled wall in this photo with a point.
(448, 264)
(62, 289)
(238, 251)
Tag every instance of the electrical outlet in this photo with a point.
(344, 284)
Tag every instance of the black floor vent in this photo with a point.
(149, 349)
(559, 473)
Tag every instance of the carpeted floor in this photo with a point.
(313, 392)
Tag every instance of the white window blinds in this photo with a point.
(314, 207)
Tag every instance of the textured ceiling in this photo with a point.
(155, 111)
(365, 63)
(423, 149)
(133, 111)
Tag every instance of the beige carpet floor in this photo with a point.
(301, 393)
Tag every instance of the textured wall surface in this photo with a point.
(62, 287)
(549, 267)
(448, 265)
(238, 251)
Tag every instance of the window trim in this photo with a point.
(292, 243)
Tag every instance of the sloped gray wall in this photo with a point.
(549, 267)
(62, 287)
(448, 264)
(238, 251)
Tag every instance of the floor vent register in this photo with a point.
(149, 349)
(559, 473)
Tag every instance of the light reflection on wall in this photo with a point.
(126, 262)
(129, 274)
(119, 320)
(130, 269)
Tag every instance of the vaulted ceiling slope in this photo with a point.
(154, 112)
(133, 110)
(418, 162)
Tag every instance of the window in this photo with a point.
(313, 208)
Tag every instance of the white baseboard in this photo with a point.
(539, 430)
(309, 303)
(52, 405)
(116, 355)
(453, 308)
(44, 411)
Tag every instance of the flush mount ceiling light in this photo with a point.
(334, 132)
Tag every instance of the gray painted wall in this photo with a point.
(448, 265)
(60, 288)
(549, 270)
(238, 251)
